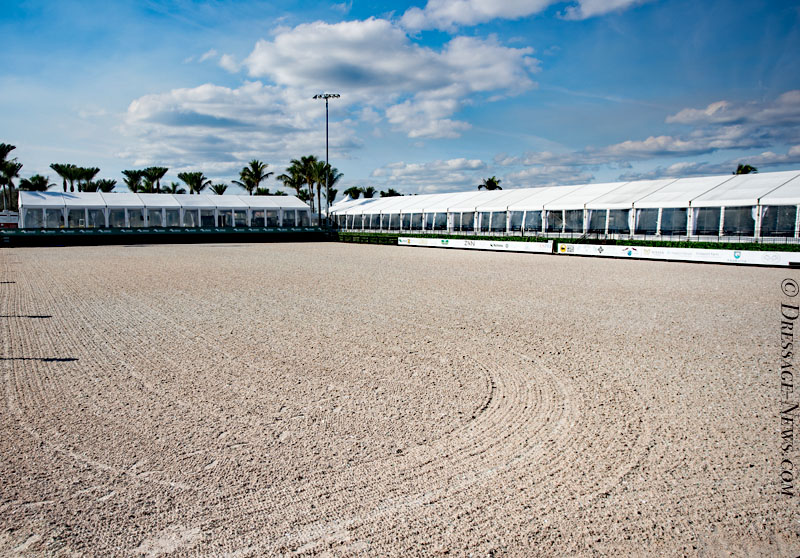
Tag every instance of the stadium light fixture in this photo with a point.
(325, 96)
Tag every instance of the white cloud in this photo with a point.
(433, 176)
(377, 65)
(207, 55)
(228, 62)
(547, 175)
(448, 14)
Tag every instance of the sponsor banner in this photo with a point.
(503, 246)
(154, 230)
(746, 257)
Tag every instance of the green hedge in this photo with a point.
(391, 238)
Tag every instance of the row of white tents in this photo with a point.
(121, 210)
(751, 205)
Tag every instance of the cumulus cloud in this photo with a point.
(448, 14)
(547, 175)
(433, 176)
(374, 60)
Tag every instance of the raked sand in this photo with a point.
(353, 400)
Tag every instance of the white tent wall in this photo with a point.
(127, 209)
(725, 206)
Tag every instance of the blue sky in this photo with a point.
(436, 95)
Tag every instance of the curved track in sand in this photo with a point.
(355, 400)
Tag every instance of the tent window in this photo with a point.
(189, 218)
(136, 217)
(207, 218)
(34, 218)
(358, 221)
(440, 221)
(515, 221)
(468, 221)
(116, 218)
(573, 221)
(739, 220)
(618, 221)
(416, 221)
(289, 218)
(646, 221)
(305, 220)
(533, 221)
(407, 221)
(154, 218)
(673, 220)
(76, 218)
(394, 221)
(54, 218)
(706, 221)
(429, 221)
(97, 218)
(597, 220)
(776, 220)
(456, 219)
(484, 222)
(375, 221)
(239, 218)
(498, 221)
(257, 218)
(173, 217)
(385, 221)
(555, 221)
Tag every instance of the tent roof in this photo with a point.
(274, 202)
(744, 189)
(681, 192)
(124, 199)
(786, 194)
(625, 196)
(537, 198)
(580, 196)
(480, 200)
(227, 202)
(159, 200)
(41, 199)
(91, 200)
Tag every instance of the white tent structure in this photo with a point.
(745, 206)
(58, 210)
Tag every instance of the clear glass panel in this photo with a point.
(739, 221)
(272, 217)
(646, 220)
(190, 218)
(468, 221)
(485, 221)
(239, 218)
(597, 220)
(515, 221)
(673, 220)
(304, 219)
(573, 221)
(407, 222)
(706, 221)
(34, 218)
(116, 218)
(440, 222)
(225, 218)
(374, 221)
(429, 222)
(257, 218)
(54, 218)
(394, 221)
(289, 218)
(416, 221)
(777, 220)
(342, 220)
(76, 218)
(154, 218)
(173, 218)
(498, 221)
(97, 218)
(533, 221)
(618, 221)
(136, 217)
(555, 221)
(385, 221)
(207, 218)
(456, 219)
(358, 222)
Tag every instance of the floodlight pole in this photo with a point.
(325, 96)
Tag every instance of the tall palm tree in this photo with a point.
(63, 171)
(219, 189)
(261, 191)
(353, 191)
(154, 175)
(745, 169)
(333, 176)
(290, 179)
(492, 183)
(36, 183)
(9, 170)
(105, 184)
(368, 192)
(84, 175)
(251, 176)
(305, 168)
(147, 186)
(174, 188)
(133, 179)
(196, 181)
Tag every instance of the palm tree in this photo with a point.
(290, 179)
(368, 192)
(154, 175)
(196, 181)
(174, 188)
(105, 185)
(133, 179)
(63, 170)
(330, 192)
(251, 177)
(84, 175)
(36, 183)
(492, 183)
(147, 186)
(305, 169)
(279, 193)
(745, 169)
(9, 170)
(319, 173)
(219, 189)
(390, 193)
(261, 191)
(353, 191)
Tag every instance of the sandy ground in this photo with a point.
(332, 399)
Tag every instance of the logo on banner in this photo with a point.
(562, 248)
(737, 254)
(445, 242)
